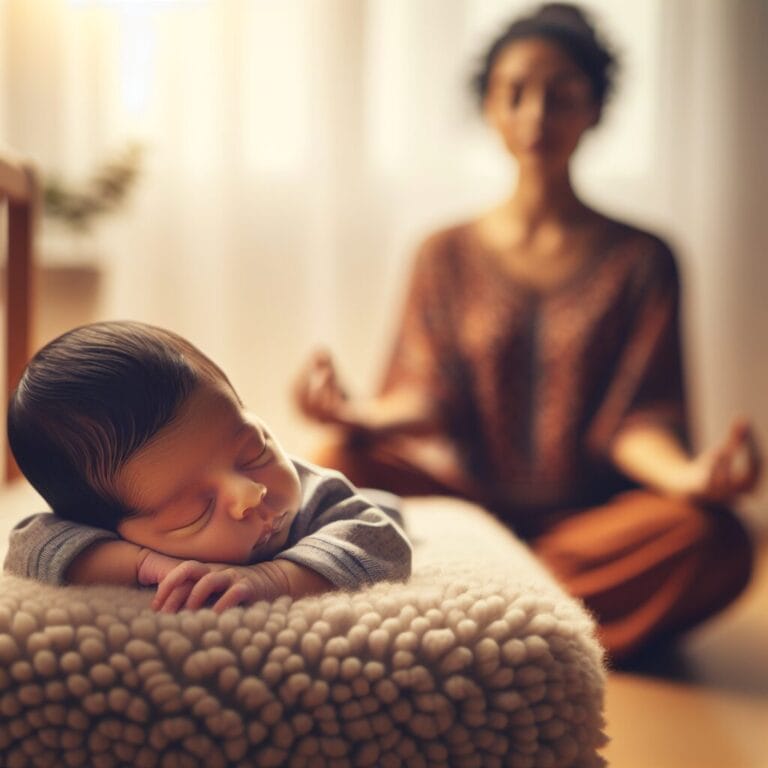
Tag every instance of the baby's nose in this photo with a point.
(260, 491)
(247, 496)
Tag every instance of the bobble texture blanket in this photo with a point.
(479, 660)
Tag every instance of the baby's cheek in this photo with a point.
(184, 550)
(295, 496)
(210, 546)
(286, 481)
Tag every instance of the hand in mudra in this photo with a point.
(732, 468)
(319, 393)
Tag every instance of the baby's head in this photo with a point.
(129, 427)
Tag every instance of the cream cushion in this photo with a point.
(479, 660)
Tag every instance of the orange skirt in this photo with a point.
(647, 566)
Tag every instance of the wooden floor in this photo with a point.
(704, 705)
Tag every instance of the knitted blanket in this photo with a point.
(479, 660)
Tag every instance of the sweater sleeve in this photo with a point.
(43, 546)
(343, 535)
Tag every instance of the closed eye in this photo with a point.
(199, 522)
(515, 95)
(258, 457)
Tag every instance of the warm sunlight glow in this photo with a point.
(137, 62)
(145, 3)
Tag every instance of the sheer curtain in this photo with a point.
(296, 151)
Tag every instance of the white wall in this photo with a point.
(298, 150)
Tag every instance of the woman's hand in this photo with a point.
(655, 458)
(319, 393)
(730, 469)
(320, 396)
(193, 585)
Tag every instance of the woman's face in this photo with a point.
(540, 102)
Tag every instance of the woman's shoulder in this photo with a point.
(446, 239)
(443, 251)
(642, 250)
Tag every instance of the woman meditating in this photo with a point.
(537, 370)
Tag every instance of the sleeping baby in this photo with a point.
(158, 476)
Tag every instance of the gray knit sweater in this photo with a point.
(351, 538)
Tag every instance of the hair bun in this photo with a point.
(570, 27)
(563, 13)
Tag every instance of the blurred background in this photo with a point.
(255, 174)
(294, 152)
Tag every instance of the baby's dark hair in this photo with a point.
(569, 27)
(92, 398)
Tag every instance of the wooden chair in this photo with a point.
(19, 192)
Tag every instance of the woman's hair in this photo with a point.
(567, 26)
(88, 401)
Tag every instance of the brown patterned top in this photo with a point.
(531, 385)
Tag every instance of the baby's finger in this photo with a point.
(164, 589)
(207, 586)
(175, 600)
(240, 593)
(189, 570)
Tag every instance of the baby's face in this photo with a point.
(213, 485)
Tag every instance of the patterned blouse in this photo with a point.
(532, 385)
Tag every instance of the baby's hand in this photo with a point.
(192, 585)
(152, 567)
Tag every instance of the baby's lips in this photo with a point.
(268, 533)
(274, 527)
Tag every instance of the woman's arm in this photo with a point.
(654, 457)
